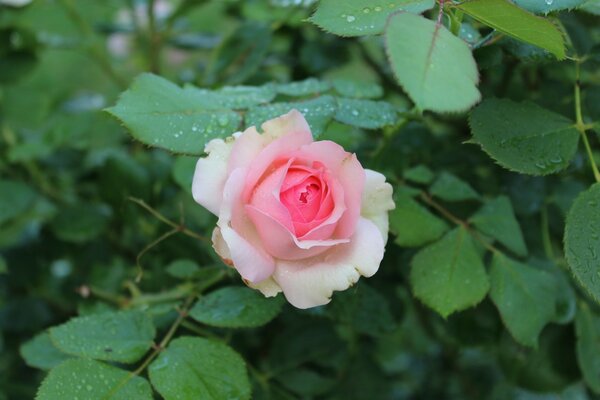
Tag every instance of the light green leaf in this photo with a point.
(450, 188)
(366, 114)
(419, 174)
(434, 67)
(524, 137)
(526, 298)
(511, 20)
(20, 200)
(183, 269)
(587, 328)
(197, 368)
(89, 379)
(582, 240)
(449, 274)
(81, 223)
(236, 307)
(41, 353)
(318, 112)
(362, 17)
(591, 6)
(413, 224)
(236, 97)
(357, 89)
(546, 6)
(113, 336)
(497, 219)
(161, 114)
(303, 88)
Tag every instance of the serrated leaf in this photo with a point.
(357, 89)
(89, 379)
(582, 240)
(236, 307)
(449, 275)
(318, 112)
(497, 219)
(303, 88)
(362, 17)
(546, 6)
(367, 114)
(434, 67)
(123, 336)
(511, 20)
(21, 198)
(235, 97)
(526, 298)
(197, 368)
(524, 137)
(40, 352)
(413, 224)
(451, 188)
(161, 114)
(587, 328)
(419, 174)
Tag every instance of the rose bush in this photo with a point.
(296, 216)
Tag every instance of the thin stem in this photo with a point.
(200, 331)
(580, 125)
(546, 240)
(138, 259)
(155, 40)
(180, 227)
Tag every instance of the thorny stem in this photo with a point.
(580, 125)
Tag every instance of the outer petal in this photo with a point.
(245, 251)
(268, 287)
(211, 174)
(310, 283)
(377, 200)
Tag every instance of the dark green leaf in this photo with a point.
(450, 188)
(413, 224)
(587, 327)
(183, 269)
(303, 88)
(235, 97)
(20, 199)
(419, 174)
(366, 114)
(81, 222)
(41, 353)
(357, 89)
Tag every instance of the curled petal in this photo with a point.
(377, 200)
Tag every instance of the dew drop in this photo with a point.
(377, 8)
(549, 2)
(366, 10)
(350, 18)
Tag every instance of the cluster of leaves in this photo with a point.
(490, 286)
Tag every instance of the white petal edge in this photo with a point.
(377, 200)
(311, 283)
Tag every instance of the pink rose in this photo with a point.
(295, 215)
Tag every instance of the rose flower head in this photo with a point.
(296, 216)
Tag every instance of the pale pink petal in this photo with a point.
(211, 174)
(293, 121)
(311, 283)
(268, 287)
(377, 201)
(247, 146)
(247, 254)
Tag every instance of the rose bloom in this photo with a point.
(295, 216)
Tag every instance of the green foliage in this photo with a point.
(511, 20)
(196, 368)
(450, 188)
(549, 6)
(413, 224)
(430, 63)
(41, 353)
(124, 336)
(236, 307)
(587, 326)
(21, 198)
(524, 137)
(449, 274)
(366, 114)
(82, 378)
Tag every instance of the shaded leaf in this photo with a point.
(413, 224)
(21, 198)
(40, 352)
(366, 114)
(450, 188)
(587, 328)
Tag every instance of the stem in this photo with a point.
(547, 241)
(456, 18)
(580, 125)
(155, 40)
(164, 236)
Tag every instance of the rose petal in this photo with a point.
(268, 287)
(211, 174)
(310, 283)
(377, 200)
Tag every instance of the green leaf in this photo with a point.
(357, 89)
(582, 240)
(413, 224)
(183, 269)
(450, 188)
(161, 114)
(318, 112)
(183, 172)
(362, 17)
(449, 274)
(236, 97)
(89, 379)
(497, 219)
(41, 353)
(307, 87)
(366, 114)
(591, 6)
(197, 368)
(524, 137)
(81, 223)
(113, 336)
(20, 200)
(546, 6)
(236, 307)
(525, 296)
(419, 174)
(434, 67)
(3, 266)
(587, 328)
(511, 20)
